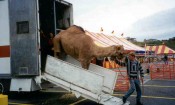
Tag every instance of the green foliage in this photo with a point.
(170, 44)
(142, 44)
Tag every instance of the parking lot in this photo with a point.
(155, 92)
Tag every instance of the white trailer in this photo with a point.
(21, 21)
(23, 63)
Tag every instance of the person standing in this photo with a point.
(166, 59)
(44, 49)
(99, 61)
(50, 43)
(134, 72)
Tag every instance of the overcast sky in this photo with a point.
(117, 15)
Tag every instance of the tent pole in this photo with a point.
(145, 49)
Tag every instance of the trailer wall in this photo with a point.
(4, 39)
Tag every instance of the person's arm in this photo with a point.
(120, 62)
(141, 70)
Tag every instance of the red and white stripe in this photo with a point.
(161, 49)
(5, 59)
(4, 38)
(4, 51)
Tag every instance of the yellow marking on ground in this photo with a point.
(146, 74)
(12, 103)
(159, 86)
(78, 102)
(169, 98)
(55, 91)
(156, 97)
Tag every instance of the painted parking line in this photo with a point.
(146, 74)
(50, 91)
(155, 97)
(168, 98)
(145, 81)
(78, 102)
(159, 86)
(12, 103)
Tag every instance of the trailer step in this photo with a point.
(81, 82)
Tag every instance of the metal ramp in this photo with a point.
(95, 84)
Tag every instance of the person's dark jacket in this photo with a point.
(165, 57)
(132, 71)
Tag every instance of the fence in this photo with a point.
(162, 71)
(122, 83)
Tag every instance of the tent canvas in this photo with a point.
(161, 49)
(106, 40)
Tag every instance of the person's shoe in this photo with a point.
(124, 100)
(139, 103)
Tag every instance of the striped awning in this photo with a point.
(107, 40)
(161, 49)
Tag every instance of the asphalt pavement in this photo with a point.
(155, 92)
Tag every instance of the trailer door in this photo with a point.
(23, 39)
(4, 40)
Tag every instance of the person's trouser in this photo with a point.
(134, 85)
(166, 62)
